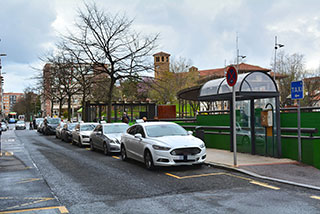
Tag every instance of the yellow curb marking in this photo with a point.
(315, 197)
(28, 180)
(29, 203)
(116, 157)
(264, 185)
(88, 149)
(62, 210)
(177, 177)
(236, 176)
(8, 154)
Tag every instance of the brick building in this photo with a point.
(9, 99)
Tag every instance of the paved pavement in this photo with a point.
(276, 169)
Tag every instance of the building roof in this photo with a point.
(161, 54)
(243, 68)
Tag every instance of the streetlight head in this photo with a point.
(243, 57)
(280, 45)
(3, 54)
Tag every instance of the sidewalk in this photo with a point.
(276, 169)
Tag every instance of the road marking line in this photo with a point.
(28, 180)
(116, 157)
(237, 176)
(264, 185)
(315, 197)
(202, 175)
(222, 173)
(62, 210)
(29, 203)
(177, 177)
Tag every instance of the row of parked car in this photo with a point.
(153, 143)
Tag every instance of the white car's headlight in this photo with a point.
(164, 148)
(202, 145)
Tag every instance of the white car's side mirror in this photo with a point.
(138, 135)
(190, 132)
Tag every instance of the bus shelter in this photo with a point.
(255, 93)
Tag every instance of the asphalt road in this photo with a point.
(66, 177)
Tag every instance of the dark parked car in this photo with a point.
(50, 125)
(66, 132)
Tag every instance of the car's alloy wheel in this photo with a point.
(123, 153)
(105, 149)
(148, 162)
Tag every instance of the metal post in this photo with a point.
(299, 131)
(234, 126)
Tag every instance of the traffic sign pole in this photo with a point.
(297, 93)
(232, 76)
(299, 132)
(234, 126)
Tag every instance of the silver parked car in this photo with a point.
(162, 144)
(4, 126)
(59, 129)
(81, 133)
(107, 137)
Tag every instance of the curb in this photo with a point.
(223, 166)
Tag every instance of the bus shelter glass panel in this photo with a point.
(264, 136)
(243, 126)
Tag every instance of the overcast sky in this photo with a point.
(203, 31)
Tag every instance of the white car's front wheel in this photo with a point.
(148, 162)
(123, 153)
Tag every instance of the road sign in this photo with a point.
(297, 90)
(232, 76)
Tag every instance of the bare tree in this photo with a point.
(111, 45)
(291, 66)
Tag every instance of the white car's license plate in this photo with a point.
(186, 157)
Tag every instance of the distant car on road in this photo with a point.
(12, 120)
(106, 137)
(4, 126)
(81, 133)
(162, 144)
(50, 125)
(20, 125)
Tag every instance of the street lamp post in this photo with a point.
(2, 114)
(276, 46)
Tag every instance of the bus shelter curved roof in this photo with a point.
(253, 85)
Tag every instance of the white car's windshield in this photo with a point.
(87, 127)
(20, 122)
(115, 128)
(165, 130)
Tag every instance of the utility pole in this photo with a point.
(1, 88)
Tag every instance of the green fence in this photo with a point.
(310, 147)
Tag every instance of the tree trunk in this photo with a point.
(83, 105)
(69, 107)
(60, 107)
(112, 82)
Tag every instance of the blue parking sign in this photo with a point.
(297, 90)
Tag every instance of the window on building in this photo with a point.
(157, 59)
(167, 59)
(162, 59)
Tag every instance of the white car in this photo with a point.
(162, 144)
(106, 137)
(20, 125)
(81, 133)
